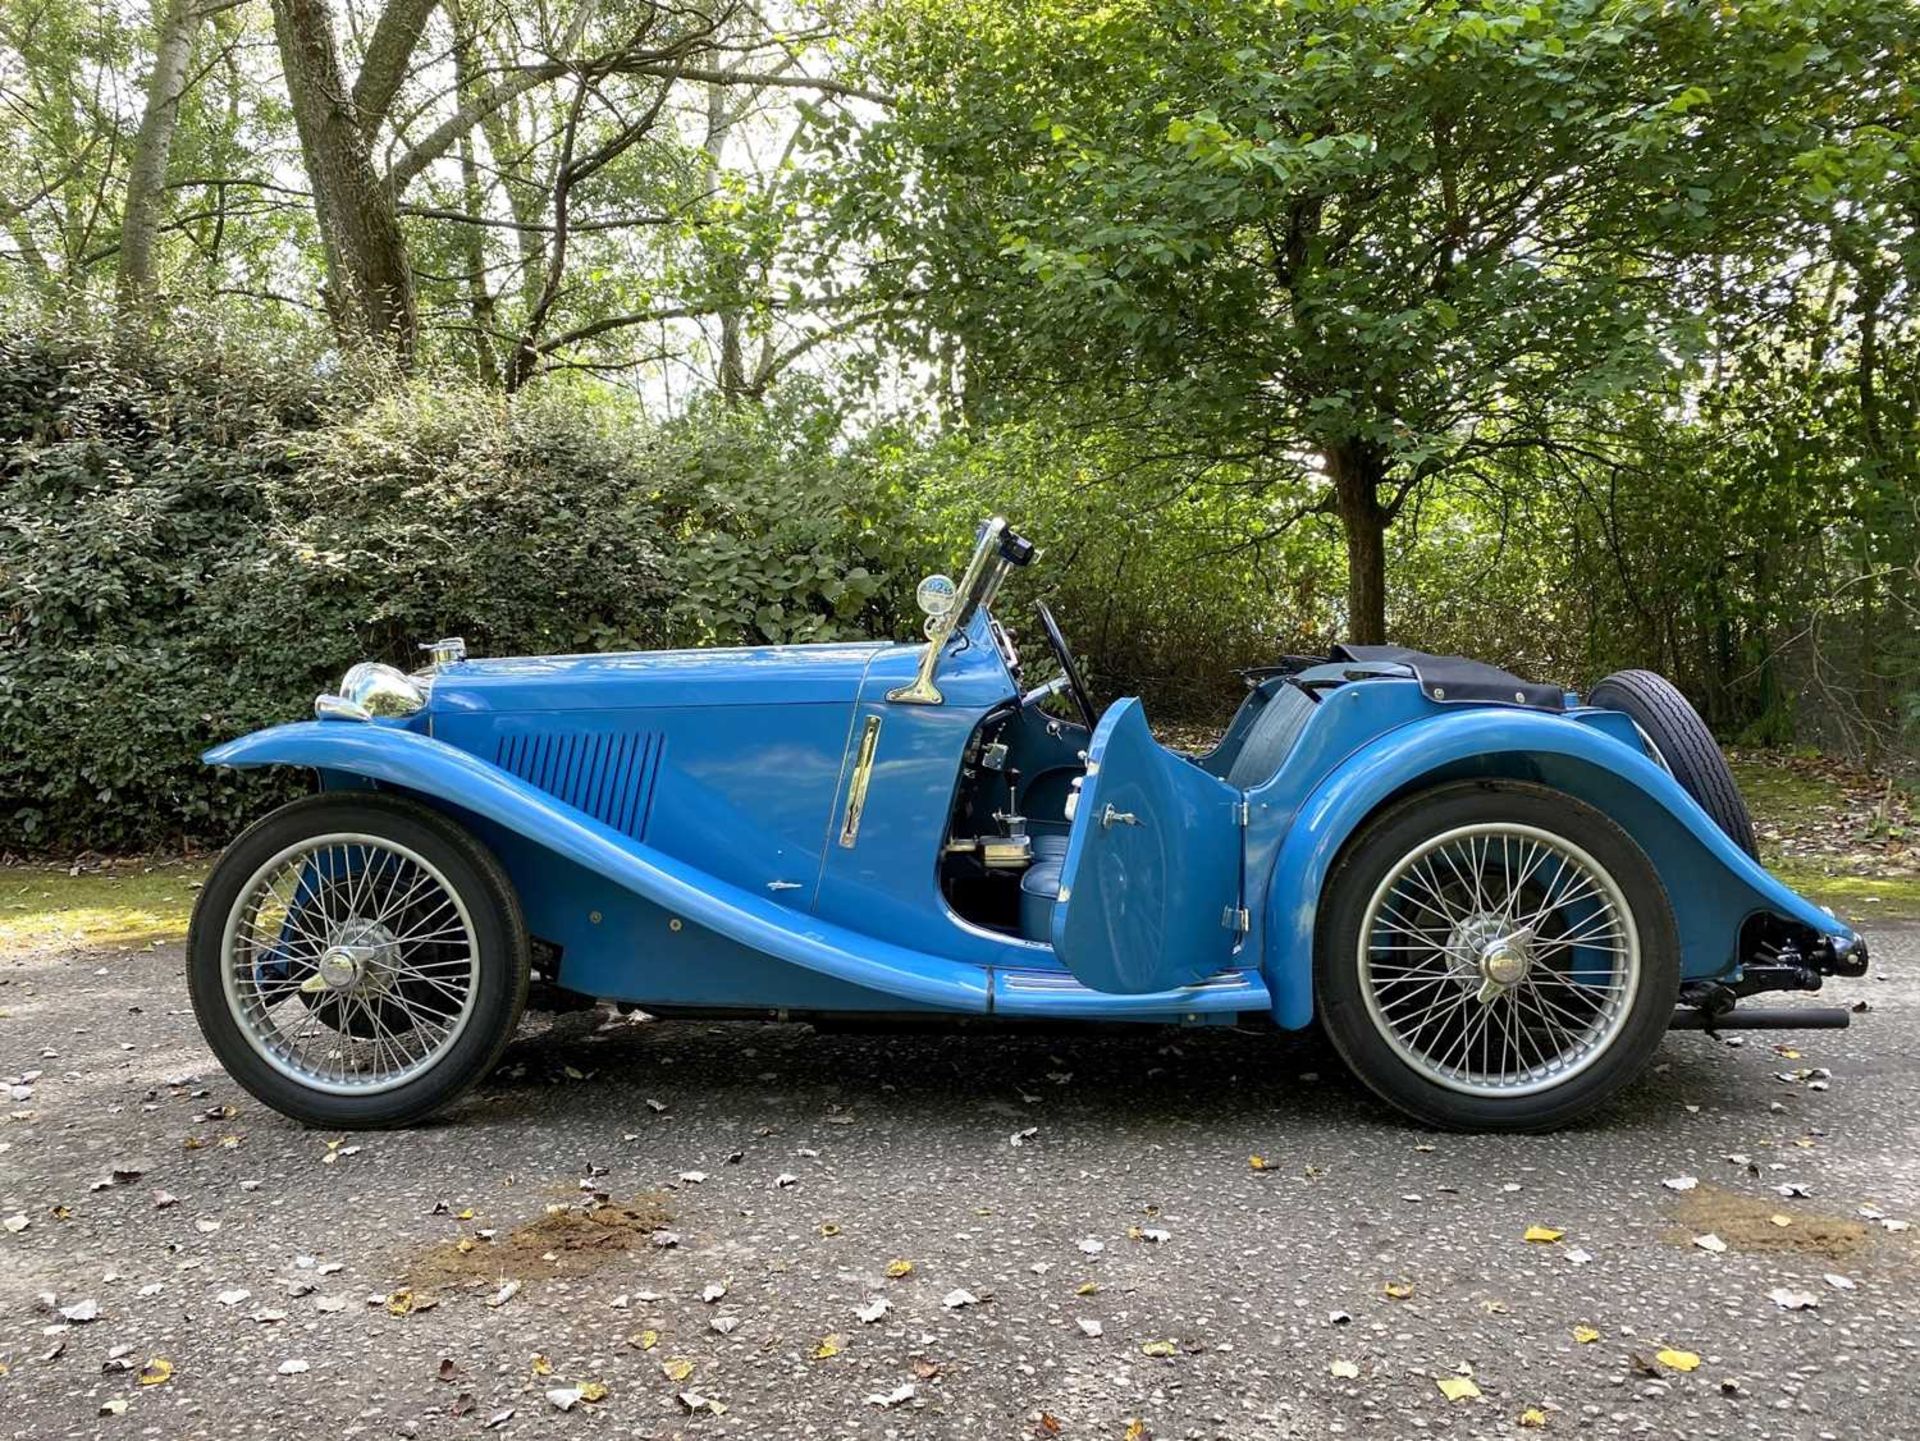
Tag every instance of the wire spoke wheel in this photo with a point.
(1498, 959)
(350, 963)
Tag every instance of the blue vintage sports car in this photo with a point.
(1494, 897)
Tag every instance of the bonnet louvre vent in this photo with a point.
(608, 774)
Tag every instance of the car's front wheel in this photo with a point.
(1495, 956)
(357, 960)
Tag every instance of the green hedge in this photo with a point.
(194, 544)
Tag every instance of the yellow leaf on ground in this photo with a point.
(1399, 1290)
(399, 1303)
(677, 1369)
(1543, 1234)
(465, 1213)
(1136, 1431)
(645, 1340)
(542, 1366)
(829, 1347)
(593, 1391)
(1087, 1288)
(1780, 1220)
(1678, 1360)
(1457, 1388)
(897, 1269)
(1259, 1163)
(1345, 1370)
(156, 1372)
(1585, 1334)
(1158, 1348)
(1533, 1417)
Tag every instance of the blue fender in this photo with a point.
(410, 761)
(1713, 884)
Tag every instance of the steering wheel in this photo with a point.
(1076, 685)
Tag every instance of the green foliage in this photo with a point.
(192, 546)
(1163, 590)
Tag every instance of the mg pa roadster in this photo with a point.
(1494, 896)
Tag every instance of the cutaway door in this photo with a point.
(1150, 893)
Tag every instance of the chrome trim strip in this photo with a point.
(1064, 981)
(857, 788)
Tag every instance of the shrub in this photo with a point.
(194, 545)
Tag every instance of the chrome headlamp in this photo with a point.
(382, 689)
(372, 689)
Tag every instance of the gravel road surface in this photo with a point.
(947, 1234)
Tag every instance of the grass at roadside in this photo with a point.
(126, 903)
(1840, 836)
(1845, 839)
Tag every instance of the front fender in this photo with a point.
(433, 769)
(1713, 884)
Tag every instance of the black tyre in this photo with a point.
(1683, 744)
(1495, 956)
(357, 960)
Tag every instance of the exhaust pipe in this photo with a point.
(1763, 1018)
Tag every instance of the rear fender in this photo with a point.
(1712, 884)
(453, 778)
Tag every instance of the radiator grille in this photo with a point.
(608, 774)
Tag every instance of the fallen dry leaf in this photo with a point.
(677, 1368)
(1533, 1418)
(157, 1372)
(1677, 1360)
(1159, 1348)
(1399, 1290)
(1543, 1235)
(897, 1269)
(1585, 1335)
(1457, 1388)
(1345, 1370)
(829, 1347)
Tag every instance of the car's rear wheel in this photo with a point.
(357, 960)
(1682, 743)
(1495, 956)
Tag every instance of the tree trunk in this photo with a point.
(369, 280)
(480, 303)
(733, 363)
(1358, 470)
(152, 148)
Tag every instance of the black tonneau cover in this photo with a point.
(1453, 678)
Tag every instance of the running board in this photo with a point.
(1058, 996)
(1763, 1018)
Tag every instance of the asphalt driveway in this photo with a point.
(1068, 1232)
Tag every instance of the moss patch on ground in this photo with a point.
(1844, 837)
(569, 1240)
(129, 903)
